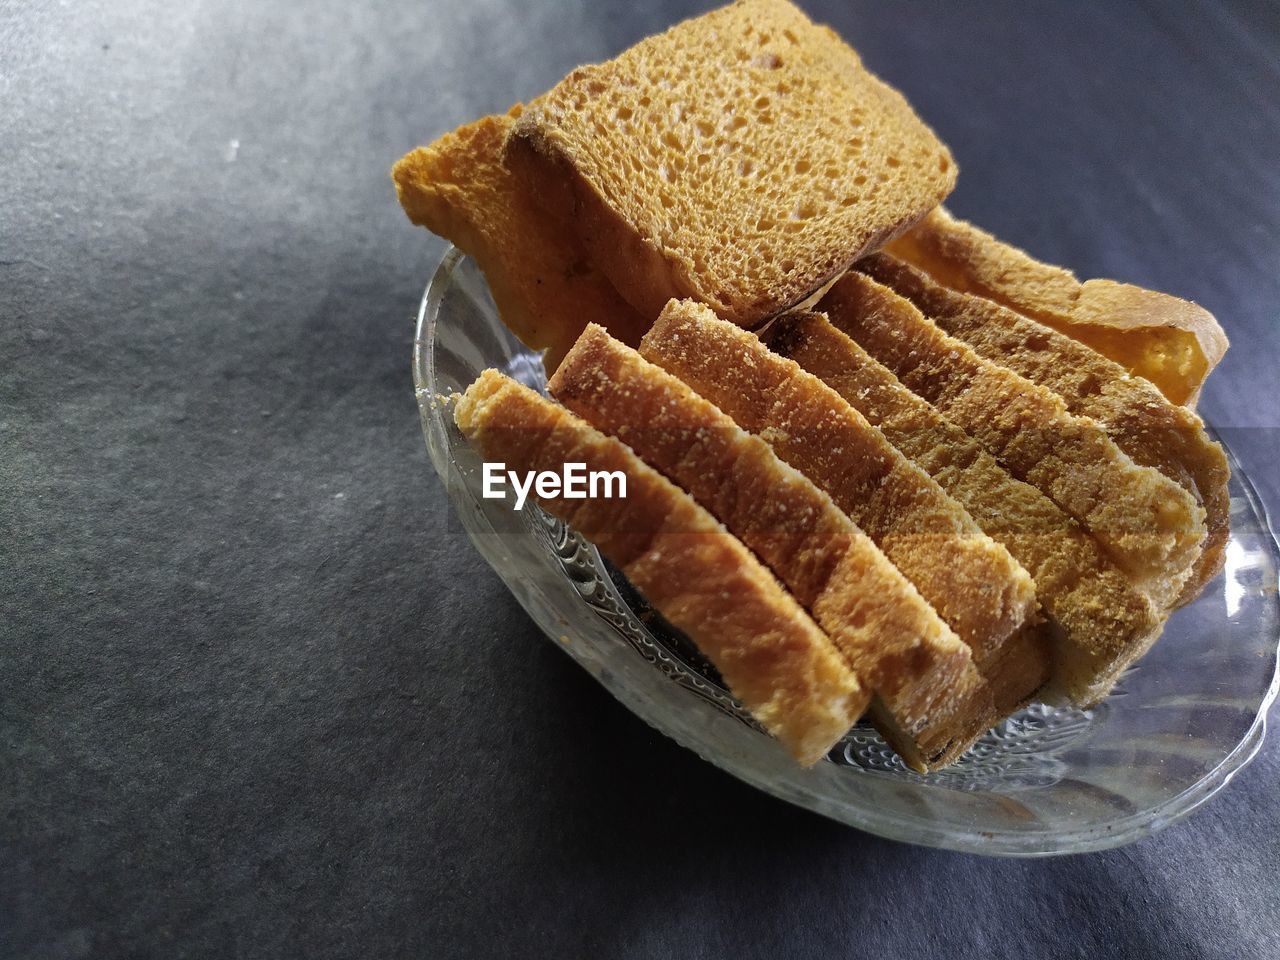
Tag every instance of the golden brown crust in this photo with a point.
(712, 161)
(1173, 343)
(545, 290)
(894, 641)
(1104, 623)
(1149, 525)
(973, 582)
(1147, 426)
(702, 579)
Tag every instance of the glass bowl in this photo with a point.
(1048, 780)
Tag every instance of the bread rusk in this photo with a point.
(972, 581)
(1147, 426)
(743, 158)
(1173, 343)
(701, 578)
(541, 282)
(894, 641)
(1149, 525)
(1104, 622)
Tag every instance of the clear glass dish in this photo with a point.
(1046, 781)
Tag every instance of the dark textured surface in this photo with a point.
(259, 697)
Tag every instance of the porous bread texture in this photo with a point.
(541, 282)
(895, 642)
(972, 581)
(1146, 425)
(1149, 525)
(1173, 343)
(701, 578)
(742, 158)
(1104, 623)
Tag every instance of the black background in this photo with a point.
(258, 695)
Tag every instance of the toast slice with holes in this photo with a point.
(1146, 425)
(894, 641)
(976, 586)
(1149, 525)
(545, 289)
(743, 158)
(702, 579)
(1172, 343)
(1103, 622)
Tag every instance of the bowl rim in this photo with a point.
(1024, 844)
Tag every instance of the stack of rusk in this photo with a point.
(877, 461)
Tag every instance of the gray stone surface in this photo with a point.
(260, 698)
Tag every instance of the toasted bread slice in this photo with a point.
(1171, 342)
(972, 581)
(743, 158)
(895, 642)
(1149, 525)
(701, 578)
(1147, 426)
(544, 288)
(1104, 622)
